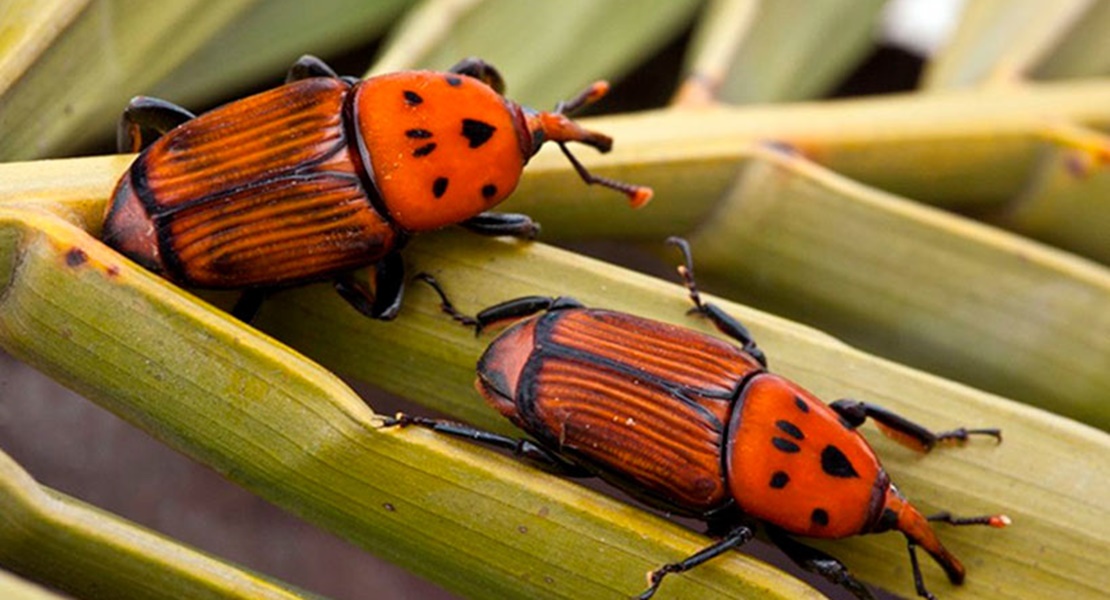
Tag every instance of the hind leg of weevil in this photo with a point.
(739, 536)
(389, 289)
(153, 114)
(495, 224)
(903, 430)
(725, 323)
(815, 561)
(482, 71)
(510, 310)
(526, 450)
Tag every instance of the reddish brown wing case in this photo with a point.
(639, 401)
(257, 192)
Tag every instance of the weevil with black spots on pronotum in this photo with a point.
(327, 174)
(698, 427)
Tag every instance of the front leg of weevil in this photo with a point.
(740, 535)
(526, 450)
(815, 561)
(903, 430)
(389, 289)
(497, 224)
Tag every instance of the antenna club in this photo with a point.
(640, 195)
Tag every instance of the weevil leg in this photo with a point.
(510, 310)
(903, 430)
(739, 536)
(815, 561)
(495, 223)
(526, 450)
(482, 71)
(249, 303)
(389, 289)
(724, 322)
(144, 112)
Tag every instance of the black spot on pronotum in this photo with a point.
(489, 191)
(801, 404)
(819, 516)
(418, 134)
(439, 188)
(453, 81)
(477, 132)
(412, 98)
(845, 423)
(785, 445)
(833, 462)
(424, 150)
(790, 429)
(779, 480)
(76, 257)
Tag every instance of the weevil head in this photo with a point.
(535, 128)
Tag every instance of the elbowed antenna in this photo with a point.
(557, 127)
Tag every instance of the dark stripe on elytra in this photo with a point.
(790, 429)
(424, 150)
(785, 445)
(801, 404)
(418, 134)
(819, 516)
(779, 480)
(833, 462)
(439, 187)
(412, 98)
(477, 132)
(489, 191)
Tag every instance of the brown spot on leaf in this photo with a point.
(76, 257)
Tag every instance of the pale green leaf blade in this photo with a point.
(793, 51)
(82, 550)
(112, 50)
(262, 44)
(1085, 52)
(27, 29)
(546, 51)
(1001, 41)
(1065, 202)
